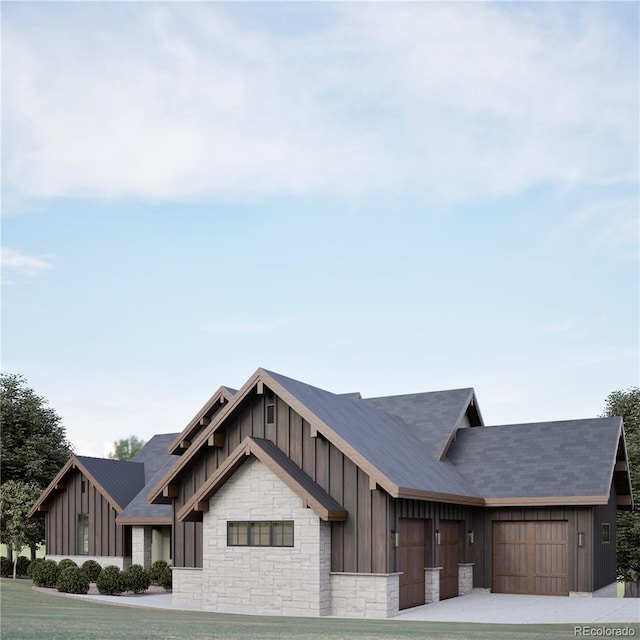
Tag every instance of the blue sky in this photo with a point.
(381, 197)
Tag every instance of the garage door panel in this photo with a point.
(530, 557)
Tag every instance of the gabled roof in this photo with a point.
(182, 441)
(157, 462)
(314, 496)
(565, 462)
(380, 443)
(434, 417)
(117, 481)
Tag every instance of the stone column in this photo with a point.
(465, 578)
(141, 546)
(432, 585)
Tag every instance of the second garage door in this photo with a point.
(530, 557)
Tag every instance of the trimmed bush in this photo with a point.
(45, 574)
(33, 565)
(92, 569)
(66, 562)
(111, 582)
(136, 579)
(22, 568)
(160, 573)
(6, 567)
(72, 580)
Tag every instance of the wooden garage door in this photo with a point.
(530, 557)
(411, 561)
(449, 552)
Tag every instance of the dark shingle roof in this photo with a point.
(120, 479)
(157, 462)
(384, 440)
(432, 416)
(568, 458)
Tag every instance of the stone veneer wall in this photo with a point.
(365, 595)
(432, 585)
(465, 579)
(141, 546)
(104, 561)
(186, 586)
(290, 581)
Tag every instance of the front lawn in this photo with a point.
(31, 615)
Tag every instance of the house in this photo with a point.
(285, 499)
(288, 499)
(96, 508)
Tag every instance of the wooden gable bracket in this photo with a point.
(373, 485)
(202, 506)
(216, 440)
(623, 501)
(313, 432)
(185, 444)
(43, 507)
(260, 387)
(171, 491)
(621, 465)
(205, 421)
(60, 486)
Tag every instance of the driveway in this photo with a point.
(500, 608)
(480, 606)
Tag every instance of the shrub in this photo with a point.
(136, 579)
(72, 580)
(160, 573)
(92, 569)
(22, 568)
(110, 582)
(33, 564)
(66, 562)
(45, 574)
(6, 567)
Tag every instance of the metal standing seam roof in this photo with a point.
(384, 440)
(565, 458)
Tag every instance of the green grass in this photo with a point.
(32, 615)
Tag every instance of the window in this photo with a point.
(260, 534)
(83, 534)
(83, 486)
(605, 533)
(270, 413)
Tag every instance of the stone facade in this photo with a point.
(141, 546)
(432, 585)
(465, 579)
(122, 562)
(291, 581)
(365, 595)
(187, 587)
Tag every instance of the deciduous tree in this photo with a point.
(126, 448)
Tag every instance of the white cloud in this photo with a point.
(22, 263)
(460, 101)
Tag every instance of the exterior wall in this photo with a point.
(432, 585)
(365, 595)
(465, 579)
(186, 587)
(265, 580)
(580, 572)
(604, 554)
(362, 544)
(106, 538)
(141, 546)
(104, 561)
(161, 544)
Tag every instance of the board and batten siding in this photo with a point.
(604, 554)
(106, 538)
(580, 566)
(361, 544)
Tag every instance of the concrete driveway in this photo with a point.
(499, 608)
(480, 606)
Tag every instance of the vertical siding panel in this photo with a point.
(350, 474)
(295, 437)
(270, 430)
(282, 419)
(364, 544)
(380, 532)
(322, 462)
(308, 450)
(258, 426)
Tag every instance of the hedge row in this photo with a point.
(66, 576)
(6, 566)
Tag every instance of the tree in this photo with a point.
(627, 404)
(19, 531)
(34, 442)
(126, 448)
